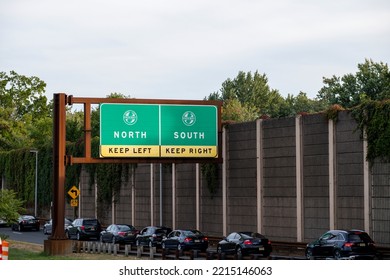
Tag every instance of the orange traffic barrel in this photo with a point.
(5, 246)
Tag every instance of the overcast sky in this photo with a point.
(178, 49)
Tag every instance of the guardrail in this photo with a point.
(96, 247)
(281, 250)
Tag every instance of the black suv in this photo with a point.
(84, 229)
(339, 244)
(152, 236)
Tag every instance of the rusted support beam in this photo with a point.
(70, 160)
(87, 130)
(91, 100)
(59, 161)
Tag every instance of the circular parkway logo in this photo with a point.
(189, 118)
(130, 117)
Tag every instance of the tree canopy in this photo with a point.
(370, 82)
(25, 115)
(248, 96)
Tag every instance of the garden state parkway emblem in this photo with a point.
(130, 117)
(189, 118)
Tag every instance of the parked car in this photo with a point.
(245, 242)
(342, 244)
(119, 233)
(84, 229)
(25, 222)
(185, 240)
(3, 223)
(152, 236)
(47, 227)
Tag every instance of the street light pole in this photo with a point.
(36, 182)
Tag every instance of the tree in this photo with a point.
(10, 206)
(24, 112)
(370, 82)
(74, 126)
(233, 110)
(254, 96)
(12, 132)
(301, 103)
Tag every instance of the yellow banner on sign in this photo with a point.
(74, 202)
(189, 151)
(129, 151)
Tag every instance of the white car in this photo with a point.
(2, 223)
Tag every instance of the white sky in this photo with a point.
(172, 49)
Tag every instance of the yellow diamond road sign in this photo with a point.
(74, 192)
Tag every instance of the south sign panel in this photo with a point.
(152, 130)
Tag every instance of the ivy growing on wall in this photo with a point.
(373, 118)
(73, 172)
(18, 168)
(210, 173)
(108, 177)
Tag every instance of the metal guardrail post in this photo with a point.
(140, 250)
(152, 251)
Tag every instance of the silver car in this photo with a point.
(47, 228)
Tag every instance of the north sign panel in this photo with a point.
(152, 130)
(129, 130)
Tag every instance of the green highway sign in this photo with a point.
(158, 130)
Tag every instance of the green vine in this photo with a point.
(108, 177)
(210, 172)
(373, 121)
(73, 172)
(18, 169)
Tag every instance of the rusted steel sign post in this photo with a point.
(58, 244)
(178, 149)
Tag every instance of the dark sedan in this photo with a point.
(339, 244)
(245, 242)
(186, 240)
(152, 236)
(119, 233)
(26, 222)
